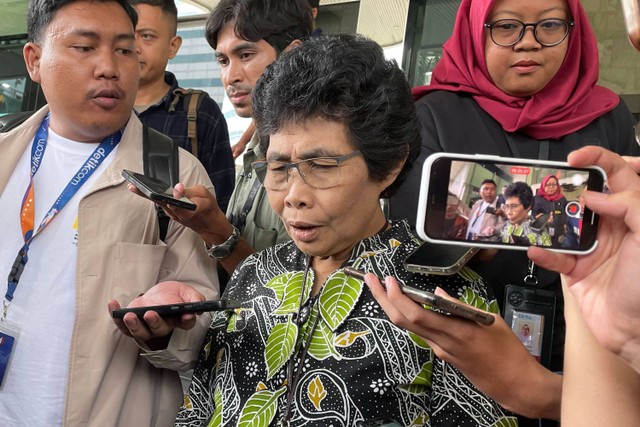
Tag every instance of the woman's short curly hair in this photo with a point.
(344, 79)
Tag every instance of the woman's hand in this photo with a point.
(491, 357)
(605, 282)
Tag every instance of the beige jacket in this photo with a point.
(119, 256)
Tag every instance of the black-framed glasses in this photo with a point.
(318, 172)
(548, 32)
(511, 206)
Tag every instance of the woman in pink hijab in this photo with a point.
(550, 201)
(517, 78)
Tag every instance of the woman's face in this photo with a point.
(515, 210)
(526, 67)
(551, 186)
(325, 222)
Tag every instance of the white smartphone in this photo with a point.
(507, 203)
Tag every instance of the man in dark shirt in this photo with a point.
(157, 42)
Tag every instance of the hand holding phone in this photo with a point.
(179, 309)
(156, 190)
(532, 188)
(436, 301)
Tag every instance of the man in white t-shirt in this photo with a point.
(484, 212)
(73, 237)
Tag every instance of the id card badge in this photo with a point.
(530, 314)
(9, 333)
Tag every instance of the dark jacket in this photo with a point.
(453, 122)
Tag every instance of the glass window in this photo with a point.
(430, 24)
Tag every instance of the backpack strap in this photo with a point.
(160, 159)
(12, 121)
(192, 101)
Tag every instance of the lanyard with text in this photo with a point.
(27, 213)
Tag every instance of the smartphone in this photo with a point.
(451, 182)
(435, 301)
(157, 190)
(181, 308)
(432, 258)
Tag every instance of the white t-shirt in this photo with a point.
(34, 389)
(475, 222)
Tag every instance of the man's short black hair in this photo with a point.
(488, 181)
(40, 13)
(168, 6)
(278, 22)
(522, 191)
(314, 3)
(343, 79)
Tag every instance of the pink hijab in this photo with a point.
(550, 197)
(569, 102)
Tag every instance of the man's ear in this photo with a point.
(314, 12)
(174, 46)
(294, 43)
(32, 53)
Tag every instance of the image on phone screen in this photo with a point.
(507, 203)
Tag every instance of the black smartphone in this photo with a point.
(461, 203)
(181, 308)
(156, 190)
(435, 301)
(433, 258)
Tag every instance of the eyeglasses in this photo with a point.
(512, 206)
(548, 32)
(319, 172)
(551, 184)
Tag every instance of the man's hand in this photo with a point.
(154, 331)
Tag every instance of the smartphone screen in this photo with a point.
(156, 190)
(488, 201)
(178, 309)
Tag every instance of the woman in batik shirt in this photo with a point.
(312, 346)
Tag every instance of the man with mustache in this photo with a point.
(73, 236)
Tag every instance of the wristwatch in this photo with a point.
(223, 250)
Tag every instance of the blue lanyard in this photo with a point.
(27, 212)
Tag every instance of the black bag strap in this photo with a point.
(191, 104)
(160, 159)
(11, 121)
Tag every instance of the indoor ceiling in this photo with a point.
(13, 17)
(387, 25)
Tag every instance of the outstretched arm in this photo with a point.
(491, 357)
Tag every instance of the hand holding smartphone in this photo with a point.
(534, 189)
(179, 309)
(156, 190)
(436, 301)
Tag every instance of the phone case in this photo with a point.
(156, 190)
(423, 200)
(440, 259)
(175, 309)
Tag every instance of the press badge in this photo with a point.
(530, 312)
(9, 332)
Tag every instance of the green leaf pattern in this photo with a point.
(280, 346)
(260, 408)
(351, 336)
(338, 298)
